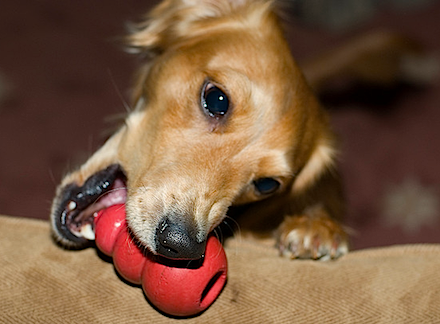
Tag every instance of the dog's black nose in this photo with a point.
(178, 241)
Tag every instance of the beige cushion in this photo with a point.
(42, 283)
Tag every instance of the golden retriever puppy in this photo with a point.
(224, 122)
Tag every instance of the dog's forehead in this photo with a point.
(259, 58)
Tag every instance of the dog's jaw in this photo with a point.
(75, 206)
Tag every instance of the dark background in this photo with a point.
(64, 79)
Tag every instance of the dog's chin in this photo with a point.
(75, 207)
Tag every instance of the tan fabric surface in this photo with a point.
(41, 283)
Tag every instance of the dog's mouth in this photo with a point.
(78, 205)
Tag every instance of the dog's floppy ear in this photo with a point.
(160, 24)
(172, 20)
(321, 160)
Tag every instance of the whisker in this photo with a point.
(220, 238)
(237, 229)
(219, 234)
(188, 264)
(127, 107)
(236, 233)
(52, 177)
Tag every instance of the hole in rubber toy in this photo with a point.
(213, 289)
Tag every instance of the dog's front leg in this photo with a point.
(312, 227)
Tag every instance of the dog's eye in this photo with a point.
(214, 100)
(266, 186)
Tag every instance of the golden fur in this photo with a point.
(179, 161)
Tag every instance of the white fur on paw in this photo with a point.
(300, 245)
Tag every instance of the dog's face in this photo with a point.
(223, 117)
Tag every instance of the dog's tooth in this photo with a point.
(87, 232)
(71, 206)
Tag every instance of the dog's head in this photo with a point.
(223, 116)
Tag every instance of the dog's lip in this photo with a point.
(77, 205)
(82, 224)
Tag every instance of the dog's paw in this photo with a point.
(311, 237)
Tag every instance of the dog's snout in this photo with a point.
(178, 241)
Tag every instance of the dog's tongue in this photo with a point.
(174, 289)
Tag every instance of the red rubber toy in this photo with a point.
(173, 289)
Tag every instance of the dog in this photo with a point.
(224, 123)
